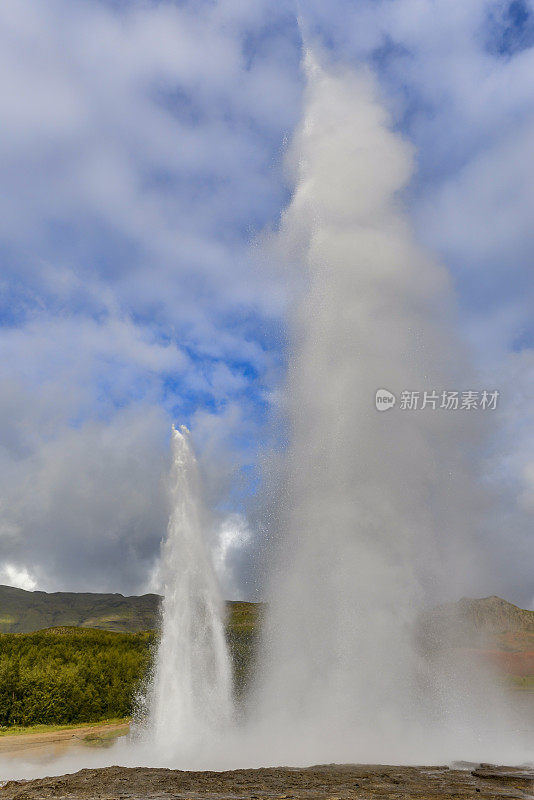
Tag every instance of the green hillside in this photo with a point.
(77, 670)
(73, 658)
(68, 675)
(23, 612)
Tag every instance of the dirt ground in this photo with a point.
(331, 782)
(54, 743)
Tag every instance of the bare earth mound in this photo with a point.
(330, 781)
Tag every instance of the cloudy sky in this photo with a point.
(142, 168)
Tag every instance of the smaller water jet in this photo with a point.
(189, 699)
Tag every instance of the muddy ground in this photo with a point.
(332, 781)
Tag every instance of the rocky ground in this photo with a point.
(332, 782)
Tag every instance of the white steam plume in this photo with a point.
(381, 508)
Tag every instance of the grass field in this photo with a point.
(17, 730)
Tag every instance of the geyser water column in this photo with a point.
(380, 506)
(190, 696)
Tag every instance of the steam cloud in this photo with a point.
(382, 510)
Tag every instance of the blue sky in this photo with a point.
(142, 168)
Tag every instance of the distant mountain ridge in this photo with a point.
(23, 612)
(495, 615)
(476, 620)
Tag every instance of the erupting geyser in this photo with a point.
(380, 508)
(190, 697)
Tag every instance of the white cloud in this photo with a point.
(13, 575)
(138, 157)
(86, 507)
(233, 536)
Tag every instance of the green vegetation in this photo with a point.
(70, 675)
(520, 682)
(244, 620)
(116, 727)
(73, 675)
(23, 612)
